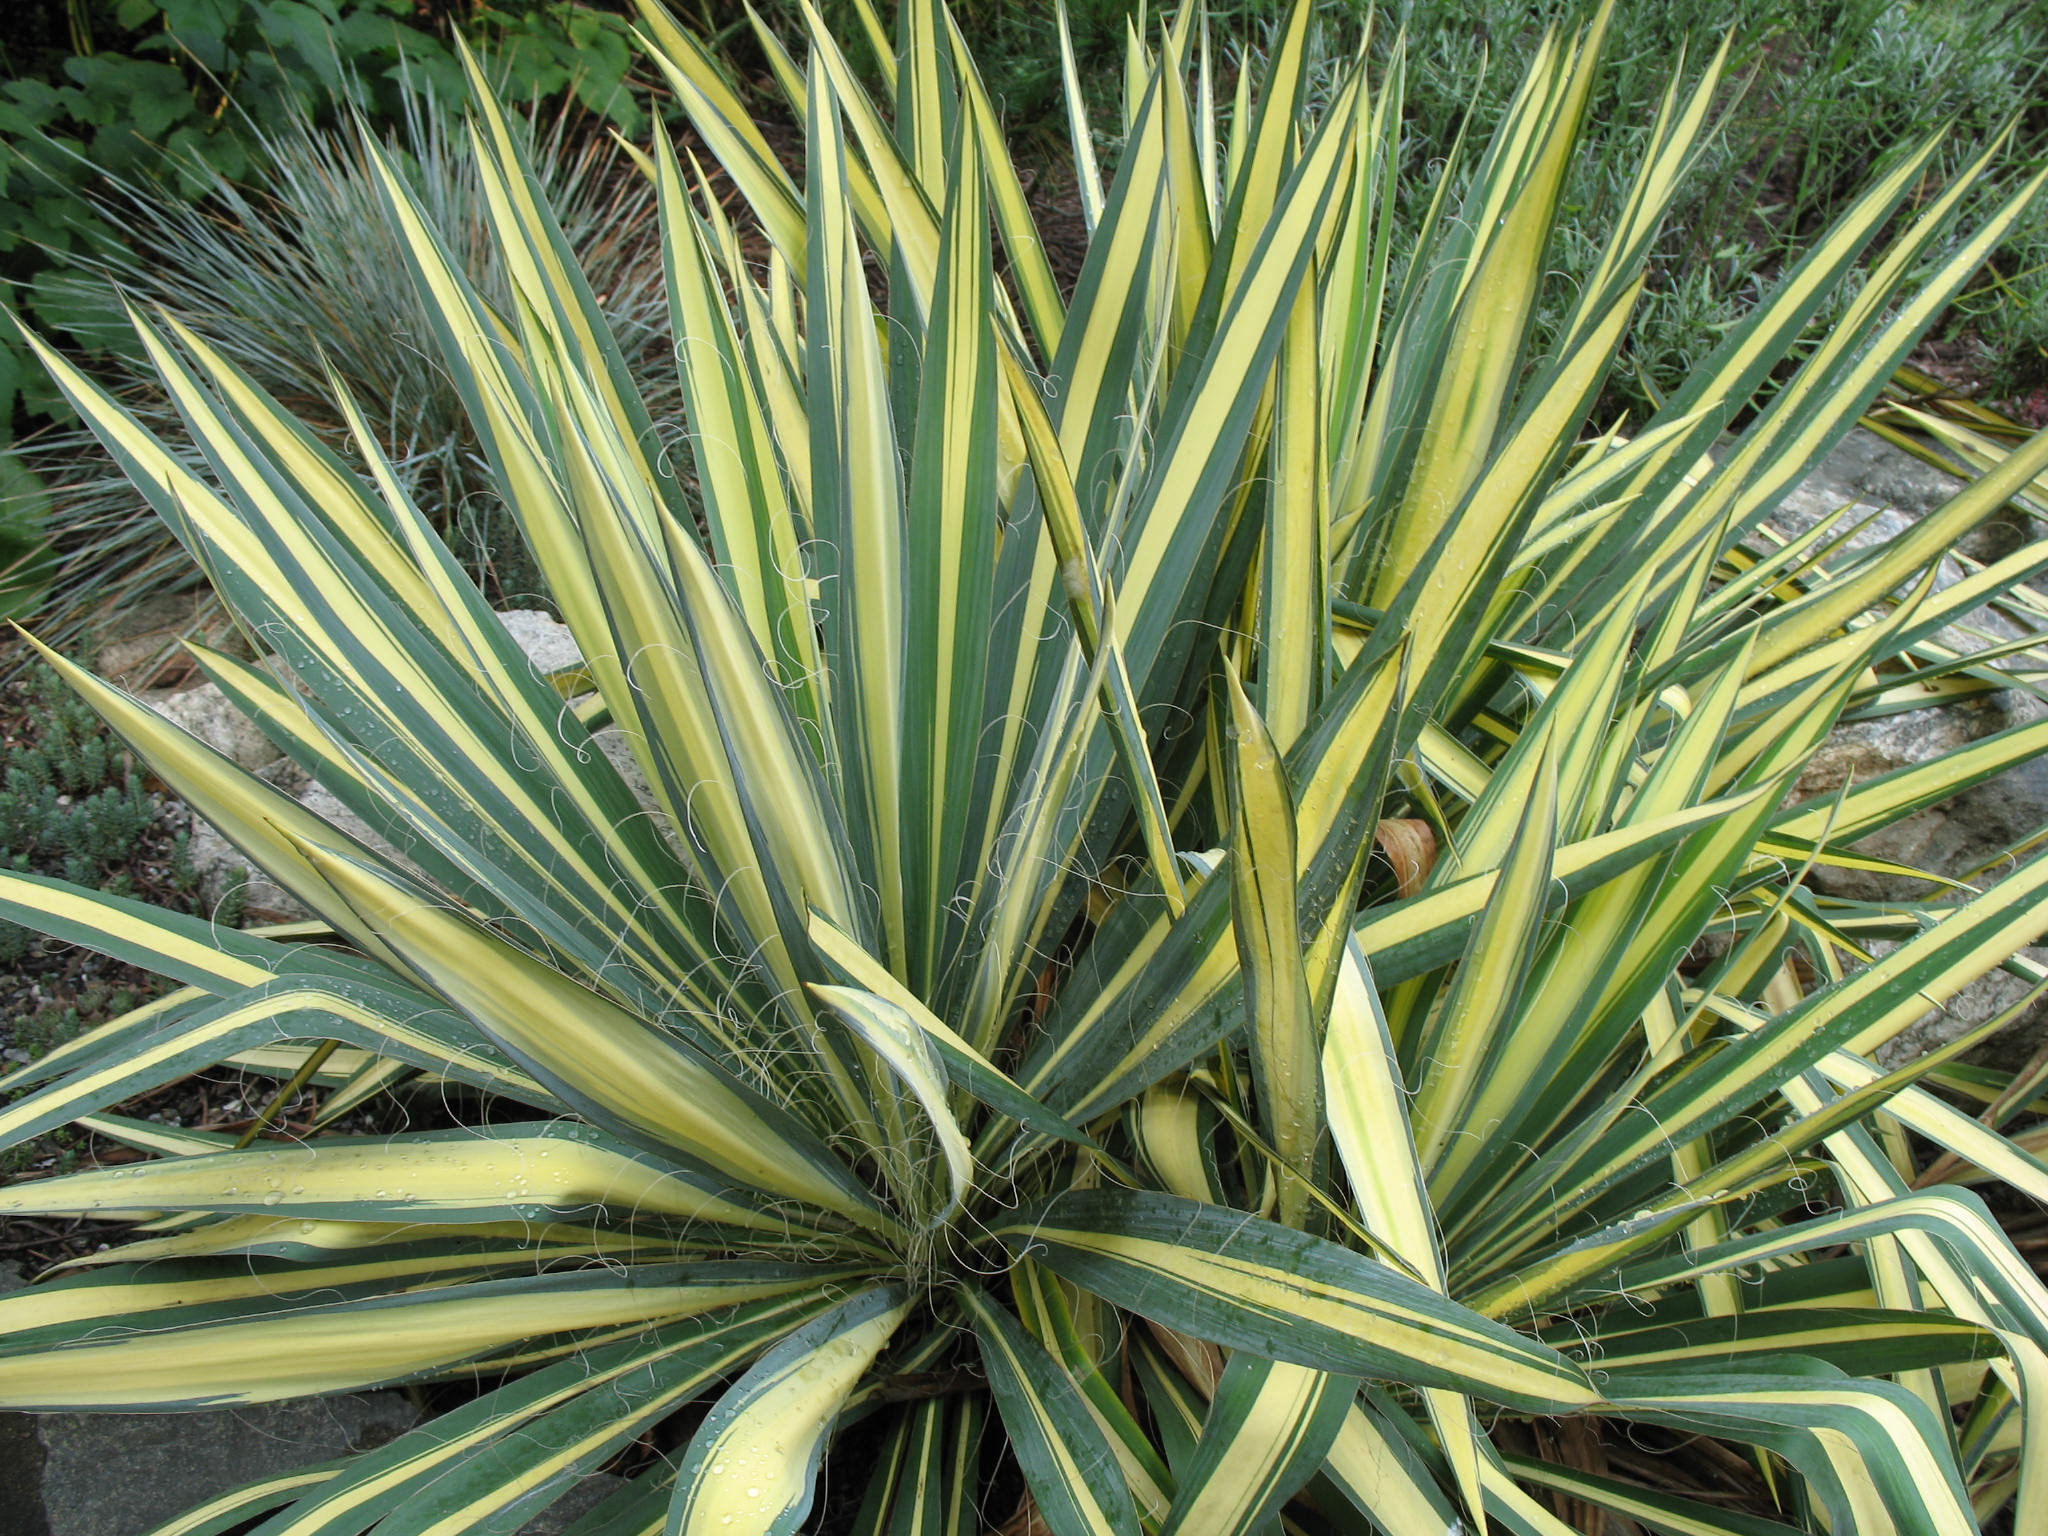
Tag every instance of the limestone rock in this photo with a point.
(142, 643)
(1890, 491)
(545, 639)
(1952, 838)
(210, 715)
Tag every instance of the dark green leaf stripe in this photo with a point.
(1864, 1341)
(1065, 1455)
(1268, 1429)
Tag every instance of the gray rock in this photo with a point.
(120, 1474)
(208, 713)
(1889, 491)
(1978, 1003)
(221, 864)
(1864, 468)
(549, 646)
(324, 803)
(546, 641)
(1953, 838)
(222, 868)
(141, 642)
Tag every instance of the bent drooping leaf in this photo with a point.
(751, 1465)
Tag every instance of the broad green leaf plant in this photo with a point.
(969, 1063)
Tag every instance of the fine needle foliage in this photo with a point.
(302, 277)
(994, 1078)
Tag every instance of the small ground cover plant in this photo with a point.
(1219, 931)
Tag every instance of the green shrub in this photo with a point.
(1820, 96)
(175, 91)
(999, 1040)
(303, 280)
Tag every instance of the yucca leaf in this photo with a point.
(970, 880)
(392, 1020)
(491, 1462)
(1889, 797)
(857, 509)
(753, 1463)
(1668, 1513)
(195, 951)
(1373, 1465)
(1087, 178)
(966, 1067)
(1466, 1036)
(1022, 245)
(1871, 1449)
(1408, 938)
(1365, 1101)
(1269, 1427)
(1954, 1218)
(746, 507)
(928, 1482)
(1859, 1341)
(1173, 535)
(896, 1038)
(319, 1242)
(616, 1067)
(727, 129)
(1280, 1011)
(1168, 989)
(540, 1171)
(1041, 1300)
(1856, 1015)
(950, 594)
(1250, 1284)
(238, 1506)
(240, 1351)
(1064, 1454)
(1295, 660)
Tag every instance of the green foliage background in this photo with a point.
(172, 89)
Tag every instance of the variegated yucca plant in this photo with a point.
(993, 1070)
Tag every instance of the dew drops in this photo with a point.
(275, 1197)
(306, 1228)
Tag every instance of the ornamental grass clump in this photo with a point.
(995, 1078)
